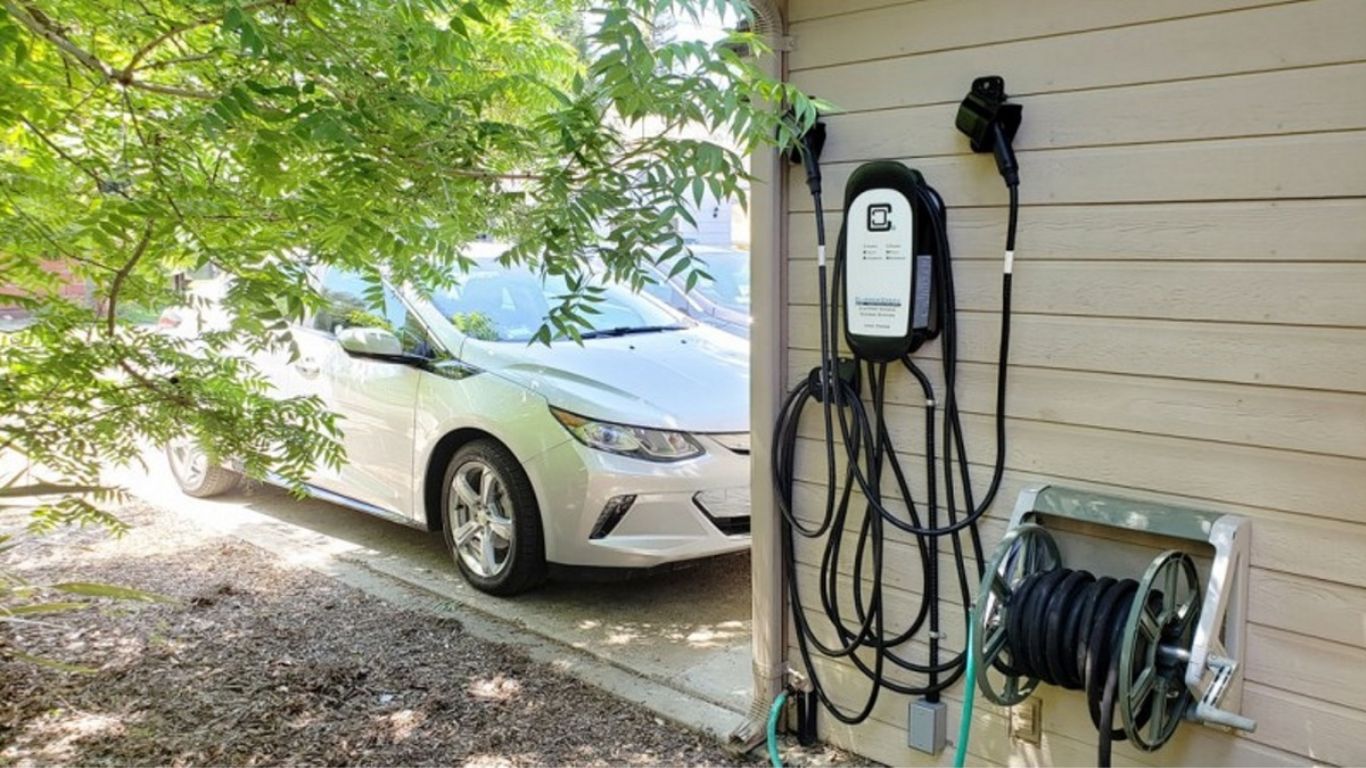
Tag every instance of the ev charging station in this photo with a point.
(1140, 606)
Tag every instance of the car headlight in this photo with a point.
(639, 442)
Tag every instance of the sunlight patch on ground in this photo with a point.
(489, 761)
(497, 688)
(403, 723)
(59, 732)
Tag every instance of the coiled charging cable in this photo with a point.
(867, 449)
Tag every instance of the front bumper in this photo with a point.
(680, 511)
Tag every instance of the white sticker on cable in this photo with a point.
(1010, 262)
(820, 255)
(878, 263)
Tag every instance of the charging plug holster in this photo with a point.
(806, 152)
(990, 123)
(847, 371)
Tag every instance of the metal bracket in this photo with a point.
(798, 681)
(1214, 672)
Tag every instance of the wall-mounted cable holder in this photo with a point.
(1180, 654)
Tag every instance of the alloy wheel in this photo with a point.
(188, 462)
(484, 530)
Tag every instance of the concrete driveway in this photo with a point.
(686, 630)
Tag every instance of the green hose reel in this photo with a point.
(1179, 653)
(1157, 641)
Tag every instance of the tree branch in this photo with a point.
(42, 230)
(122, 274)
(99, 180)
(181, 29)
(495, 176)
(190, 59)
(47, 489)
(39, 24)
(171, 90)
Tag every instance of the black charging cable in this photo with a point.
(868, 449)
(866, 440)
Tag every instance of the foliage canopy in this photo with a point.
(144, 138)
(141, 139)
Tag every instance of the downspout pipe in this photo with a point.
(768, 368)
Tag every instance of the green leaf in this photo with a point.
(471, 9)
(91, 589)
(50, 663)
(37, 608)
(679, 266)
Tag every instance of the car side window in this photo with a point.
(347, 306)
(405, 325)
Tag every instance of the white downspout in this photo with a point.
(768, 373)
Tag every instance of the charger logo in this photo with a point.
(880, 217)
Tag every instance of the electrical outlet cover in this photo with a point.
(927, 726)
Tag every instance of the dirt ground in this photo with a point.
(254, 663)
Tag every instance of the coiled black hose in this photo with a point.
(1066, 628)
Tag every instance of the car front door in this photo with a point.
(374, 398)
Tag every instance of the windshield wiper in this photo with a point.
(628, 330)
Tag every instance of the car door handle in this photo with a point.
(307, 367)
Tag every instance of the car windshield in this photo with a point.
(729, 286)
(497, 303)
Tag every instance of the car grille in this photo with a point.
(727, 509)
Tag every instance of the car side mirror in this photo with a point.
(370, 342)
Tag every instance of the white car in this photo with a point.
(630, 451)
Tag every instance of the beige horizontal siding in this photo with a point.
(1190, 298)
(808, 10)
(1280, 542)
(1256, 40)
(1295, 294)
(1263, 230)
(1259, 168)
(1263, 104)
(937, 25)
(1271, 417)
(1287, 356)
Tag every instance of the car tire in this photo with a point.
(193, 472)
(493, 533)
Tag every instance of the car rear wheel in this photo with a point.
(490, 520)
(193, 472)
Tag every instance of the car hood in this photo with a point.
(696, 380)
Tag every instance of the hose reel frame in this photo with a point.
(1182, 651)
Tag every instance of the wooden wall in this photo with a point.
(1190, 290)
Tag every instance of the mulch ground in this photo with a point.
(255, 663)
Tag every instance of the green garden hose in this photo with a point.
(773, 714)
(960, 750)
